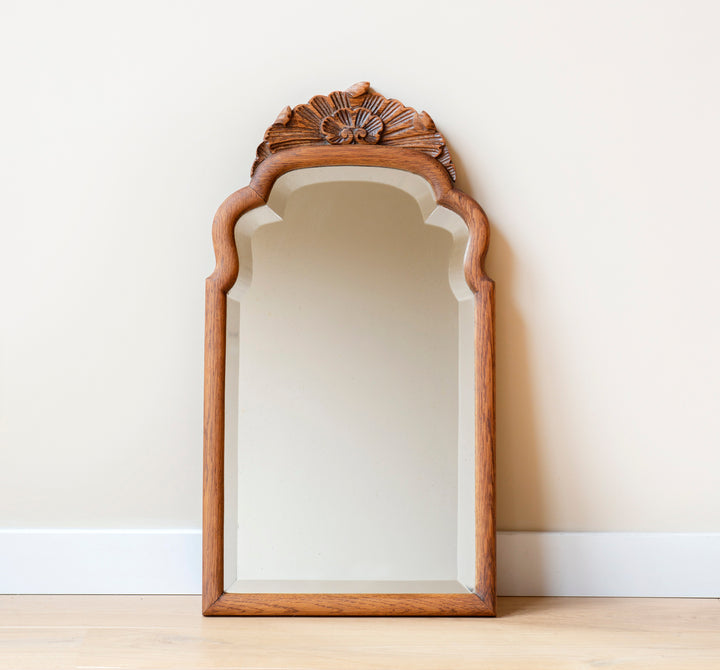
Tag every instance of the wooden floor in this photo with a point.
(168, 632)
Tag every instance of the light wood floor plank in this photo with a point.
(156, 632)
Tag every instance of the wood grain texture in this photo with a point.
(371, 156)
(216, 288)
(356, 116)
(267, 171)
(485, 536)
(360, 604)
(165, 632)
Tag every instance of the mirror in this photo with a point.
(347, 466)
(345, 398)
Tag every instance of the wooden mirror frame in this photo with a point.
(360, 128)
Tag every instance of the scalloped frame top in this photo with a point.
(359, 116)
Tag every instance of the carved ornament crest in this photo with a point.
(355, 116)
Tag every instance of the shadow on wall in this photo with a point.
(520, 487)
(519, 472)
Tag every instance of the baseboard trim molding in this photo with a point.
(653, 565)
(151, 561)
(168, 561)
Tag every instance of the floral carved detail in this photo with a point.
(355, 116)
(352, 126)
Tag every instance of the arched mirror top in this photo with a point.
(356, 127)
(413, 185)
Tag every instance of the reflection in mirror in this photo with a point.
(349, 437)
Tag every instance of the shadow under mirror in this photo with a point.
(349, 437)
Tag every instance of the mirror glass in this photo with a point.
(349, 437)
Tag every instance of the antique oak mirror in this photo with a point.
(349, 390)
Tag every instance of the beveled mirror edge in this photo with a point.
(215, 601)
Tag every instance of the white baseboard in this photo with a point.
(100, 561)
(529, 564)
(662, 565)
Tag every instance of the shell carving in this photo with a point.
(355, 116)
(352, 126)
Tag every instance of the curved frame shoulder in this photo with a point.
(258, 191)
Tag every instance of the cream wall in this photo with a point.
(588, 131)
